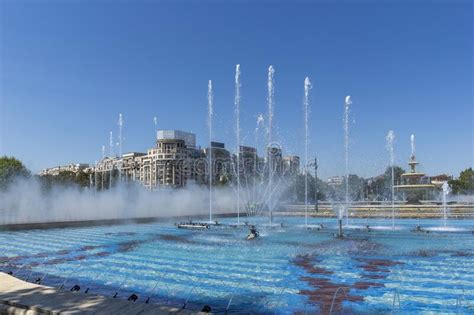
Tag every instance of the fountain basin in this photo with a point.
(288, 270)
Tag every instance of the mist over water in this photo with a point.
(25, 201)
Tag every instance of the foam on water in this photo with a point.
(386, 228)
(447, 229)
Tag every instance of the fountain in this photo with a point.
(446, 189)
(111, 152)
(254, 204)
(260, 124)
(347, 104)
(95, 178)
(265, 190)
(237, 134)
(270, 103)
(210, 100)
(91, 182)
(307, 87)
(155, 122)
(390, 140)
(120, 124)
(412, 182)
(283, 266)
(102, 175)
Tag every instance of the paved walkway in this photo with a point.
(20, 297)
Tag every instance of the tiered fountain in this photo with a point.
(412, 184)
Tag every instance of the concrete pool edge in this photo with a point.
(20, 297)
(100, 222)
(463, 212)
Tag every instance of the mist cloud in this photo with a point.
(25, 201)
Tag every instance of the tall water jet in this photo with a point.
(347, 104)
(120, 124)
(102, 175)
(155, 122)
(260, 123)
(210, 100)
(390, 140)
(111, 144)
(90, 181)
(111, 151)
(412, 140)
(95, 177)
(307, 87)
(270, 103)
(446, 190)
(237, 133)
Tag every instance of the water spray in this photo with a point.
(237, 133)
(390, 141)
(307, 87)
(95, 177)
(155, 121)
(73, 271)
(270, 103)
(210, 101)
(102, 174)
(121, 285)
(111, 152)
(446, 190)
(347, 104)
(120, 124)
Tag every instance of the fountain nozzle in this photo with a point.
(340, 234)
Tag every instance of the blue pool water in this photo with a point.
(287, 270)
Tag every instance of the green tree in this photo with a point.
(82, 179)
(10, 169)
(465, 183)
(397, 172)
(65, 178)
(380, 187)
(296, 190)
(356, 187)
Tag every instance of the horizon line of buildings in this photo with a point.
(175, 160)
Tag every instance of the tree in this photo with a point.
(10, 169)
(465, 183)
(380, 187)
(65, 178)
(397, 172)
(356, 187)
(296, 189)
(82, 179)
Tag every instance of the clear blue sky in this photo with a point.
(68, 68)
